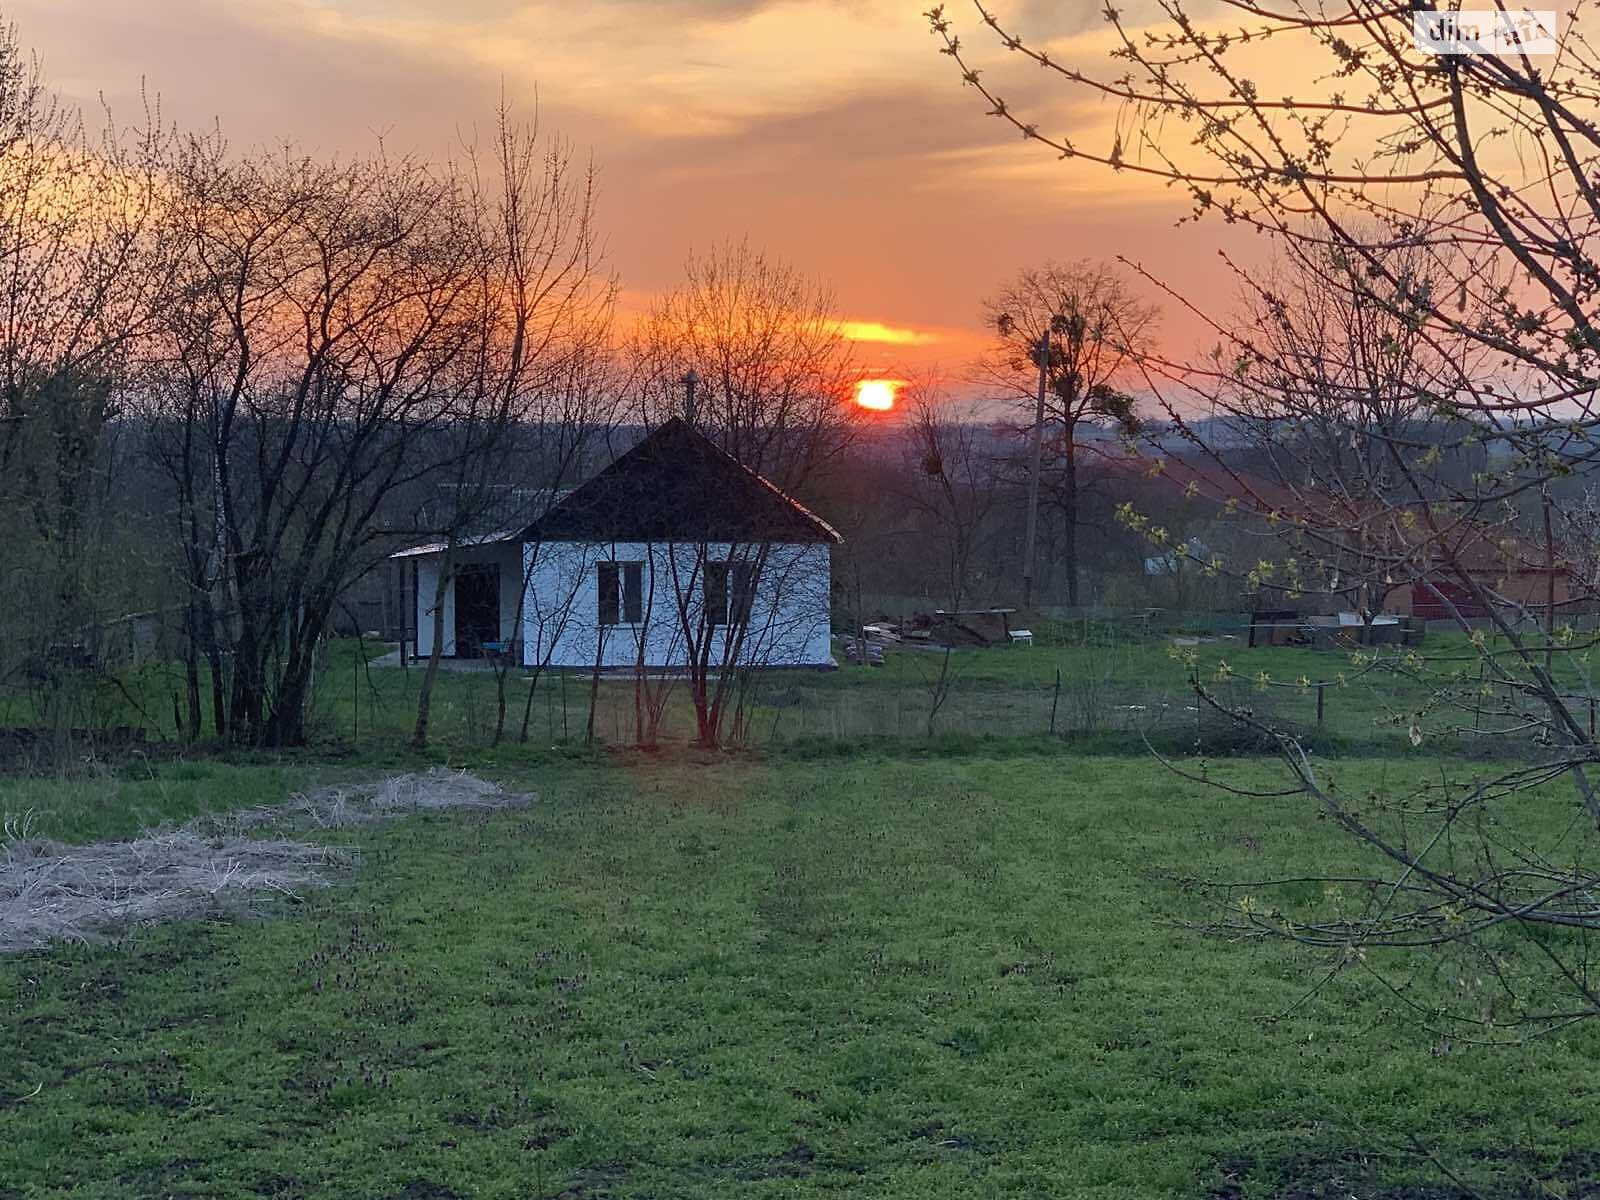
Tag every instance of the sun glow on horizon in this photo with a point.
(878, 394)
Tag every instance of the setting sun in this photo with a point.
(877, 394)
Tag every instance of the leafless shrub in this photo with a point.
(938, 684)
(1086, 699)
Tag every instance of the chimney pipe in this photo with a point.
(690, 382)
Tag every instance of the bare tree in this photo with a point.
(937, 684)
(1096, 329)
(307, 346)
(329, 312)
(524, 394)
(767, 346)
(652, 687)
(950, 480)
(546, 615)
(1318, 386)
(1453, 198)
(574, 412)
(83, 274)
(752, 354)
(719, 646)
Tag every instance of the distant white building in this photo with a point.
(675, 552)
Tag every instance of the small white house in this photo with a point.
(674, 553)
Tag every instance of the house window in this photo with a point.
(621, 593)
(730, 592)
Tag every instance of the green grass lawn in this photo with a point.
(874, 976)
(118, 803)
(1109, 697)
(1099, 697)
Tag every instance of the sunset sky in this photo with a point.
(831, 134)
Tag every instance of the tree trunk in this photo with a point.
(705, 734)
(419, 734)
(287, 724)
(219, 697)
(594, 685)
(638, 704)
(257, 634)
(247, 696)
(500, 673)
(191, 670)
(1069, 499)
(705, 725)
(527, 707)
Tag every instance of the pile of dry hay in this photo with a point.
(51, 892)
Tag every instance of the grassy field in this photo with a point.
(1108, 694)
(852, 958)
(1101, 696)
(880, 975)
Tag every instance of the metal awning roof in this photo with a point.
(496, 538)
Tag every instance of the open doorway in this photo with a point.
(477, 608)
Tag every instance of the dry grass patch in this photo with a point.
(53, 892)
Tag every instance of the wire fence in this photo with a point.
(1098, 673)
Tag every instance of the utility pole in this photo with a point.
(1043, 350)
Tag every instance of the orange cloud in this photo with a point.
(707, 114)
(889, 335)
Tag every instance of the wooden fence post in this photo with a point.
(1321, 687)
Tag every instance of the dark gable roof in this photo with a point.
(678, 485)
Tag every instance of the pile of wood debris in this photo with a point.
(939, 629)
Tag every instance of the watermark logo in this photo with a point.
(1497, 32)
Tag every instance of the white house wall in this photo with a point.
(427, 585)
(789, 622)
(509, 557)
